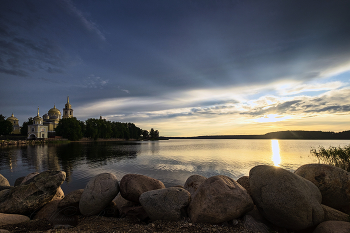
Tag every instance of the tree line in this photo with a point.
(74, 129)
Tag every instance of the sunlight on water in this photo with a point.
(276, 157)
(170, 161)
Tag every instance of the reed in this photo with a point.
(336, 156)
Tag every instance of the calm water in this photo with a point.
(171, 161)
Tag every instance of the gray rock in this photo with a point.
(4, 231)
(333, 227)
(29, 197)
(252, 225)
(29, 176)
(4, 181)
(5, 187)
(48, 211)
(333, 182)
(331, 214)
(19, 180)
(244, 182)
(219, 199)
(133, 185)
(285, 199)
(193, 182)
(12, 219)
(121, 203)
(98, 193)
(165, 204)
(69, 205)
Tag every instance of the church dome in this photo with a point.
(54, 111)
(12, 118)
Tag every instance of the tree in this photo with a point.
(69, 128)
(6, 127)
(24, 129)
(145, 135)
(154, 134)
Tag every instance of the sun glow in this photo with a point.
(276, 157)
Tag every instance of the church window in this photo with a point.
(66, 112)
(32, 129)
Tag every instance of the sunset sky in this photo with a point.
(184, 67)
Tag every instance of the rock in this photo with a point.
(48, 211)
(285, 199)
(333, 182)
(219, 199)
(331, 214)
(4, 181)
(137, 212)
(121, 203)
(29, 176)
(5, 187)
(165, 204)
(133, 185)
(59, 194)
(244, 182)
(252, 225)
(193, 182)
(4, 231)
(12, 219)
(70, 203)
(29, 197)
(98, 193)
(333, 227)
(19, 180)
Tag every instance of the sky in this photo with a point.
(183, 67)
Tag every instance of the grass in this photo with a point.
(336, 156)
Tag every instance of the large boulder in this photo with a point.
(333, 227)
(12, 219)
(193, 182)
(285, 199)
(219, 199)
(4, 181)
(166, 204)
(333, 182)
(133, 185)
(98, 194)
(33, 194)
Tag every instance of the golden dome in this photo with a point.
(54, 111)
(12, 118)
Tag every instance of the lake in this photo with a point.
(171, 161)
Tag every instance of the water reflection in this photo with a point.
(276, 157)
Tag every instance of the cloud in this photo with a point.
(88, 25)
(95, 82)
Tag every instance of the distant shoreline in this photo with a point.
(280, 135)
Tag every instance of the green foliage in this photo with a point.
(336, 156)
(69, 128)
(24, 129)
(101, 128)
(6, 127)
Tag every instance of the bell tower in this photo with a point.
(67, 111)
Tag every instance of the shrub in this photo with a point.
(336, 156)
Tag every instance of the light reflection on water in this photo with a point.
(171, 161)
(276, 157)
